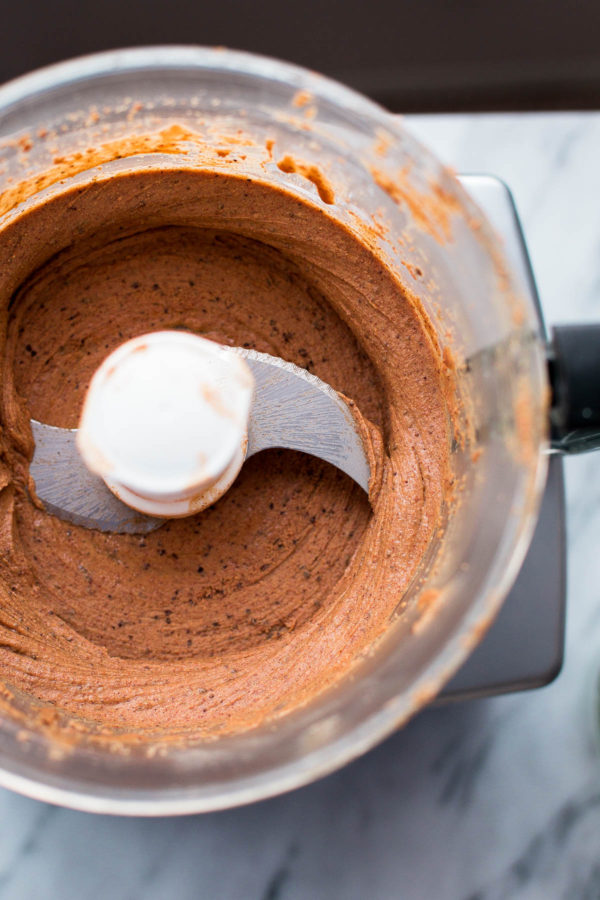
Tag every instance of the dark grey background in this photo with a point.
(409, 54)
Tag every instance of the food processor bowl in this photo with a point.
(390, 188)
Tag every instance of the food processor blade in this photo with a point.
(291, 409)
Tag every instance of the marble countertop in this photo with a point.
(482, 800)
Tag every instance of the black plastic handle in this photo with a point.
(574, 367)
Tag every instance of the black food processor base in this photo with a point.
(524, 647)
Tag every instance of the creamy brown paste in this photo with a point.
(214, 623)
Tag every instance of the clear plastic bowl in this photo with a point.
(108, 96)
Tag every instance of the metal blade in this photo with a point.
(296, 410)
(70, 491)
(291, 409)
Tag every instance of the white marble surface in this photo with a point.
(479, 801)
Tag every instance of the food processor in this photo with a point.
(81, 114)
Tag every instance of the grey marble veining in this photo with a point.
(478, 801)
